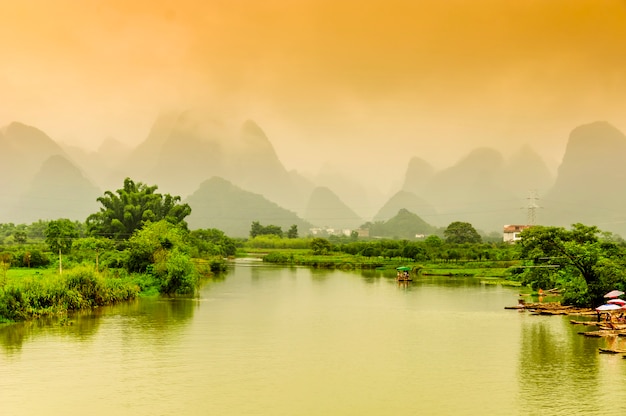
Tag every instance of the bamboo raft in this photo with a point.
(590, 323)
(552, 308)
(611, 351)
(604, 333)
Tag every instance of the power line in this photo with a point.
(532, 207)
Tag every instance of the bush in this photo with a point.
(89, 285)
(79, 288)
(175, 272)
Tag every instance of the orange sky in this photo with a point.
(370, 79)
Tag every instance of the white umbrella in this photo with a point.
(608, 307)
(614, 294)
(620, 302)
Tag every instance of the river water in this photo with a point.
(264, 340)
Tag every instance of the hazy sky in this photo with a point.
(367, 83)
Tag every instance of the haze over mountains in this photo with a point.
(231, 176)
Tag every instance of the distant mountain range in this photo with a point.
(232, 176)
(217, 203)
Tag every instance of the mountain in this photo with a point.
(589, 180)
(217, 203)
(359, 197)
(100, 166)
(482, 188)
(418, 174)
(185, 149)
(404, 224)
(526, 171)
(472, 191)
(192, 152)
(58, 190)
(404, 200)
(143, 158)
(23, 149)
(253, 164)
(325, 209)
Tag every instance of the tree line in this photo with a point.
(139, 230)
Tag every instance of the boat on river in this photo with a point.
(404, 274)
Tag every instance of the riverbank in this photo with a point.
(342, 261)
(46, 293)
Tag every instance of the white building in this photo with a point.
(512, 232)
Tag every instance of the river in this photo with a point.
(265, 340)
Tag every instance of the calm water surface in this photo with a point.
(294, 341)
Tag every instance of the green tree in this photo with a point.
(161, 249)
(568, 255)
(213, 242)
(273, 230)
(131, 207)
(320, 246)
(461, 232)
(37, 230)
(95, 246)
(60, 235)
(293, 231)
(257, 229)
(414, 251)
(20, 237)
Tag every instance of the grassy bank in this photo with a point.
(28, 293)
(484, 269)
(323, 261)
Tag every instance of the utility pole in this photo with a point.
(532, 207)
(60, 259)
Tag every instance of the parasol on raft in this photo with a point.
(608, 307)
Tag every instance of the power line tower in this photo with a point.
(532, 207)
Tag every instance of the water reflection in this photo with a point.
(80, 326)
(295, 341)
(161, 314)
(556, 366)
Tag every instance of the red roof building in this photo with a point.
(512, 232)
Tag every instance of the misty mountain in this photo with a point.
(100, 166)
(404, 200)
(184, 150)
(255, 165)
(325, 209)
(360, 198)
(527, 171)
(472, 191)
(58, 190)
(590, 180)
(23, 150)
(217, 203)
(418, 175)
(404, 225)
(191, 152)
(143, 158)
